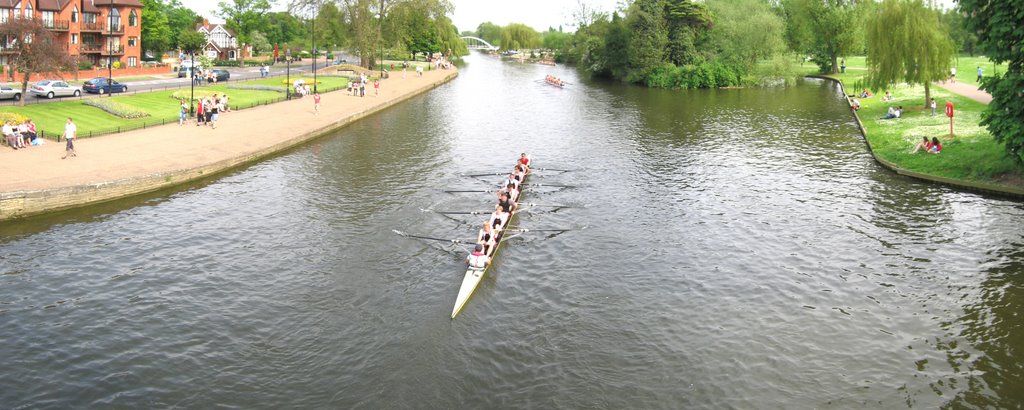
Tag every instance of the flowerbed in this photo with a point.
(116, 108)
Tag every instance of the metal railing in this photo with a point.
(114, 50)
(91, 26)
(115, 29)
(60, 25)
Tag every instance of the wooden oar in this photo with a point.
(553, 205)
(487, 175)
(431, 238)
(553, 185)
(525, 230)
(550, 169)
(455, 191)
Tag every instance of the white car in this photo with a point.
(54, 88)
(9, 92)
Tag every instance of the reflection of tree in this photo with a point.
(994, 326)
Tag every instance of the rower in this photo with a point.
(514, 179)
(478, 259)
(505, 200)
(486, 237)
(498, 218)
(512, 194)
(524, 160)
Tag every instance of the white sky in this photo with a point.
(539, 14)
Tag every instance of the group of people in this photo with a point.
(199, 75)
(22, 135)
(893, 113)
(491, 232)
(208, 110)
(264, 70)
(358, 88)
(931, 147)
(555, 81)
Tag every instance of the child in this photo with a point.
(376, 88)
(316, 104)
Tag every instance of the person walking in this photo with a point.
(316, 103)
(70, 132)
(376, 88)
(932, 104)
(979, 74)
(199, 112)
(182, 112)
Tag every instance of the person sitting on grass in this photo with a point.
(893, 113)
(887, 96)
(923, 145)
(855, 104)
(936, 146)
(865, 93)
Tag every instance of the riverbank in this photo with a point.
(37, 180)
(970, 160)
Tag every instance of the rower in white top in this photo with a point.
(478, 259)
(486, 237)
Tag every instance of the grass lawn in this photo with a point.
(971, 155)
(327, 82)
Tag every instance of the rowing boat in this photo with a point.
(474, 275)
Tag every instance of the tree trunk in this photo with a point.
(927, 94)
(835, 66)
(24, 89)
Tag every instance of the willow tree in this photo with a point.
(517, 35)
(907, 44)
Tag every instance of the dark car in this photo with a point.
(222, 75)
(103, 85)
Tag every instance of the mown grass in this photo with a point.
(970, 155)
(161, 105)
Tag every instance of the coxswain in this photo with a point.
(478, 259)
(524, 160)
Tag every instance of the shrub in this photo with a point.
(84, 65)
(116, 108)
(117, 65)
(259, 87)
(10, 116)
(223, 63)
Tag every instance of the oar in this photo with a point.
(454, 191)
(429, 238)
(486, 175)
(553, 205)
(554, 185)
(453, 212)
(550, 169)
(524, 230)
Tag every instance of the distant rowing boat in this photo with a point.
(474, 275)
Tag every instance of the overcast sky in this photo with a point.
(539, 14)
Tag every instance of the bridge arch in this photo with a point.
(478, 43)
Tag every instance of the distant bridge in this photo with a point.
(476, 43)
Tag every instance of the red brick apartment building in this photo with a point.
(98, 31)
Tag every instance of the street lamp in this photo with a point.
(110, 50)
(288, 74)
(380, 38)
(192, 81)
(315, 12)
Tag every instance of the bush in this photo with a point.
(259, 88)
(226, 63)
(10, 116)
(117, 65)
(116, 108)
(84, 65)
(706, 75)
(257, 63)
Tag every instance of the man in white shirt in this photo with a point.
(70, 132)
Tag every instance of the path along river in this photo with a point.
(741, 250)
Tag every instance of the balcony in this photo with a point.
(112, 50)
(90, 48)
(57, 25)
(114, 30)
(94, 27)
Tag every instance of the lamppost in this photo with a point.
(110, 50)
(315, 12)
(192, 81)
(288, 74)
(380, 38)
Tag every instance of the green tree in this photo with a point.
(259, 43)
(283, 27)
(244, 16)
(490, 32)
(517, 36)
(907, 44)
(648, 38)
(964, 39)
(156, 33)
(330, 26)
(191, 42)
(615, 55)
(827, 30)
(746, 32)
(998, 27)
(555, 40)
(179, 19)
(688, 23)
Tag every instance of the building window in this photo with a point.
(231, 54)
(114, 20)
(74, 14)
(4, 15)
(74, 38)
(89, 18)
(133, 41)
(48, 18)
(28, 11)
(133, 19)
(133, 62)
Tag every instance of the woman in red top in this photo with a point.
(936, 146)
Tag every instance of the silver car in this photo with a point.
(54, 88)
(10, 93)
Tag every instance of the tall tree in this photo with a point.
(907, 44)
(31, 48)
(517, 36)
(180, 19)
(825, 29)
(998, 27)
(648, 38)
(746, 32)
(156, 31)
(688, 23)
(244, 16)
(490, 32)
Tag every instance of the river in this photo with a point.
(730, 249)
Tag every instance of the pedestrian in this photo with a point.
(224, 102)
(376, 88)
(182, 112)
(932, 104)
(208, 107)
(70, 132)
(979, 74)
(362, 89)
(218, 106)
(316, 104)
(199, 113)
(952, 75)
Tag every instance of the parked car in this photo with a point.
(186, 68)
(54, 88)
(221, 74)
(10, 93)
(99, 85)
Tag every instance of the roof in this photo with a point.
(9, 4)
(52, 5)
(211, 27)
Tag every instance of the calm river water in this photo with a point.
(741, 250)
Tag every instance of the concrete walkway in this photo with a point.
(967, 90)
(37, 180)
